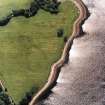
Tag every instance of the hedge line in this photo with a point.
(47, 5)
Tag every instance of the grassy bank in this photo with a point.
(28, 47)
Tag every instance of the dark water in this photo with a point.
(82, 80)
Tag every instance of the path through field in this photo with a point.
(82, 80)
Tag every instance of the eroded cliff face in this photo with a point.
(82, 80)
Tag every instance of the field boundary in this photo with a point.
(55, 68)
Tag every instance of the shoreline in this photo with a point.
(55, 68)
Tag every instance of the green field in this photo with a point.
(28, 47)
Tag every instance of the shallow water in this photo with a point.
(82, 80)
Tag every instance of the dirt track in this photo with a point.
(55, 69)
(82, 80)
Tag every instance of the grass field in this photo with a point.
(7, 5)
(28, 47)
